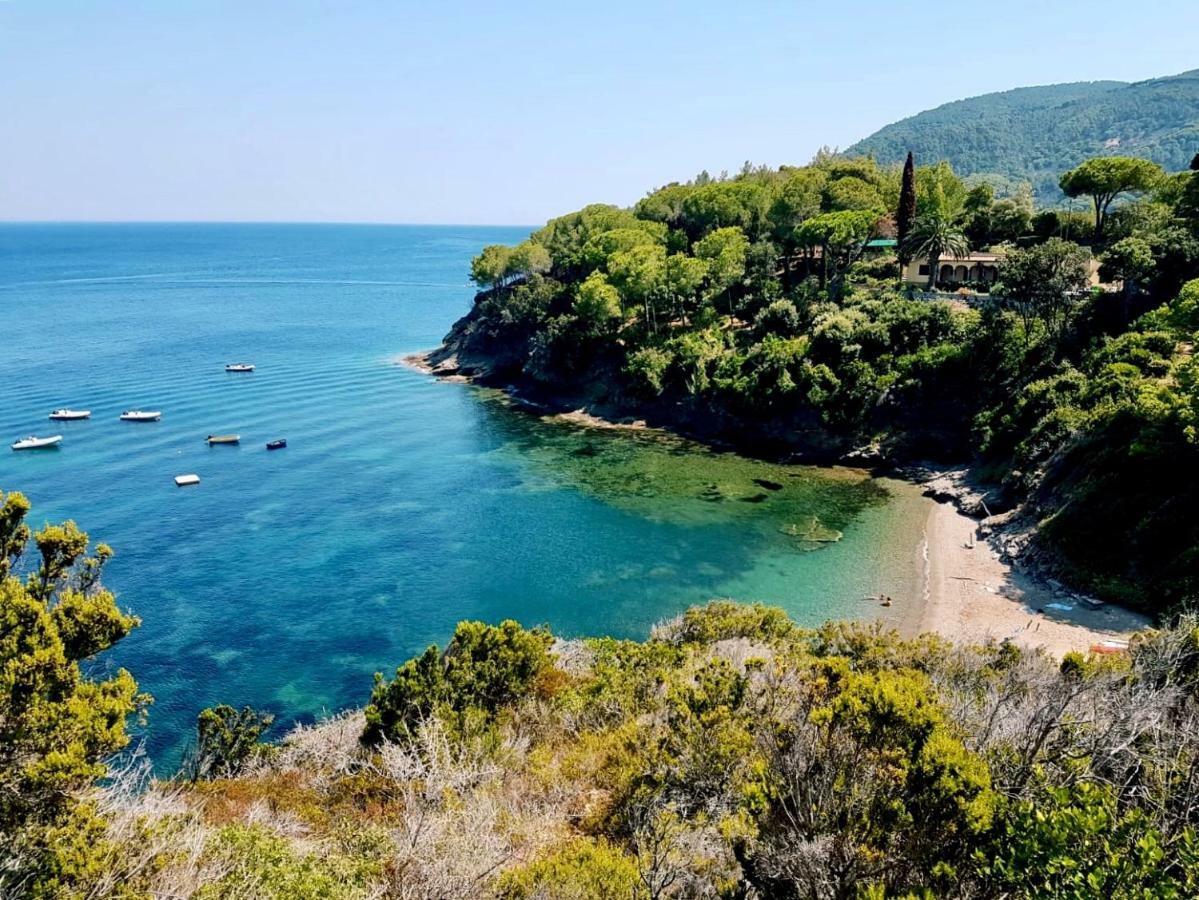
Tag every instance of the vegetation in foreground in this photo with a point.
(731, 755)
(756, 308)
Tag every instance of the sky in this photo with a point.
(495, 112)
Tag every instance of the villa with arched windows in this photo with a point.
(971, 269)
(976, 270)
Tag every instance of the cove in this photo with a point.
(401, 504)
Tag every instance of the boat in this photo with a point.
(223, 439)
(185, 480)
(70, 415)
(276, 445)
(140, 415)
(33, 442)
(239, 367)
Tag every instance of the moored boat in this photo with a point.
(223, 439)
(239, 367)
(184, 480)
(141, 415)
(33, 442)
(276, 445)
(70, 415)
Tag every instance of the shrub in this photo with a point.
(265, 866)
(780, 317)
(723, 619)
(483, 669)
(646, 370)
(580, 870)
(226, 739)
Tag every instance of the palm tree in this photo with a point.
(934, 235)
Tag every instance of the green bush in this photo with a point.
(1076, 842)
(258, 863)
(646, 370)
(483, 669)
(583, 869)
(227, 739)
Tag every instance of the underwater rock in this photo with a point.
(812, 530)
(769, 485)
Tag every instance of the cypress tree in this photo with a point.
(906, 216)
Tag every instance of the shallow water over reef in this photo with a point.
(668, 479)
(401, 504)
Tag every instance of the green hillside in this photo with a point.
(1034, 134)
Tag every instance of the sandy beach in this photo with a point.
(971, 595)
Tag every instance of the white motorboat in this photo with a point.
(141, 415)
(239, 367)
(70, 415)
(185, 480)
(33, 442)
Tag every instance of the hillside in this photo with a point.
(1036, 133)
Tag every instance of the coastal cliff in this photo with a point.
(475, 351)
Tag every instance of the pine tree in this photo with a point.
(906, 216)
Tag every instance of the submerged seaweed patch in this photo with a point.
(664, 478)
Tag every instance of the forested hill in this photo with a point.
(1034, 134)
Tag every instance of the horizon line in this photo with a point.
(4, 222)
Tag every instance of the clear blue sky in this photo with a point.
(496, 112)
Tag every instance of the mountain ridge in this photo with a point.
(1035, 133)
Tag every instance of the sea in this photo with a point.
(401, 504)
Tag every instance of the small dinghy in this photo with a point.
(239, 367)
(140, 415)
(70, 415)
(185, 480)
(223, 439)
(276, 445)
(33, 442)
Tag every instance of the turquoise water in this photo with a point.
(401, 505)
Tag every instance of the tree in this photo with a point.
(1130, 261)
(905, 217)
(933, 236)
(597, 304)
(56, 725)
(725, 204)
(683, 279)
(1044, 282)
(1105, 178)
(602, 247)
(527, 259)
(797, 201)
(724, 251)
(636, 272)
(664, 205)
(939, 188)
(489, 269)
(853, 193)
(841, 237)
